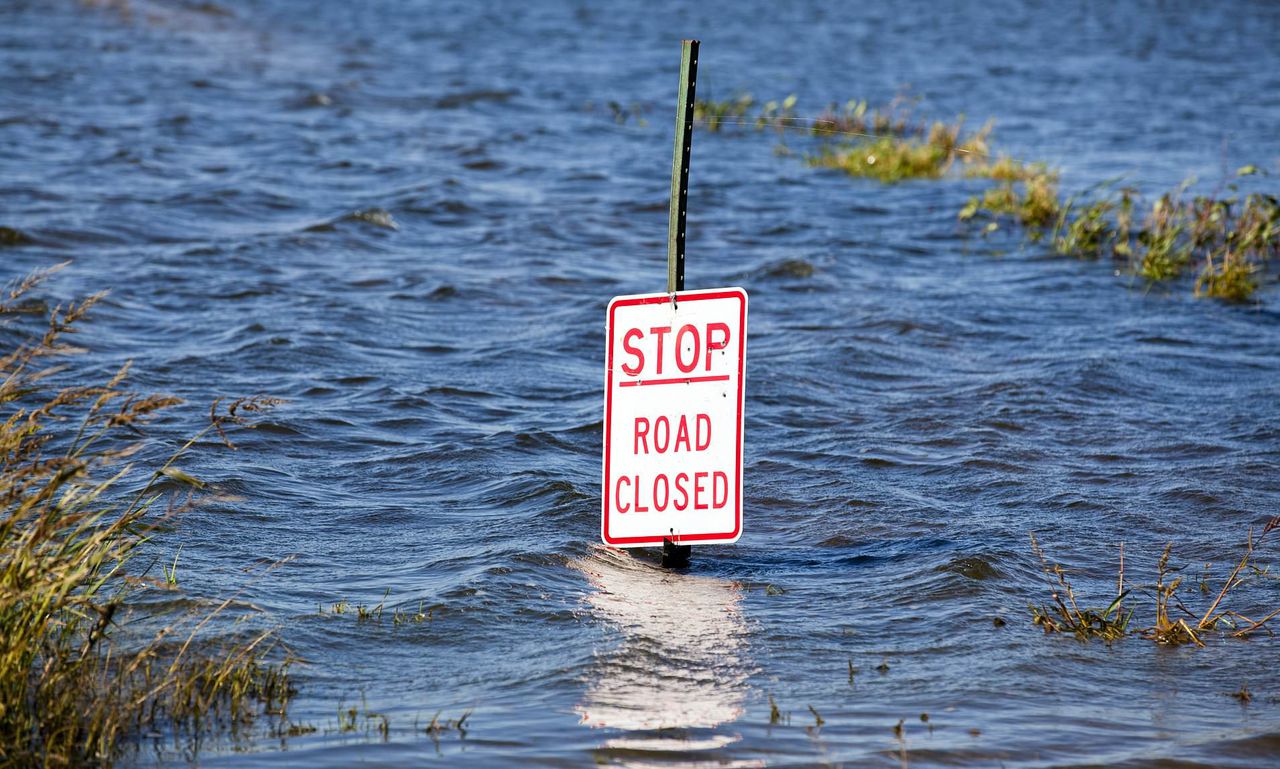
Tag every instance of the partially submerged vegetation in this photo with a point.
(1173, 623)
(364, 613)
(1064, 615)
(364, 723)
(1026, 192)
(85, 665)
(1225, 241)
(879, 143)
(884, 144)
(896, 158)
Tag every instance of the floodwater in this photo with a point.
(407, 219)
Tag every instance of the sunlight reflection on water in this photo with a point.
(678, 667)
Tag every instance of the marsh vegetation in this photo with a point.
(95, 650)
(1173, 621)
(1225, 239)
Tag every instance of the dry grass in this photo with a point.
(76, 684)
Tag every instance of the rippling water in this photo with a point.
(407, 219)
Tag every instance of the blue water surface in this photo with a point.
(407, 218)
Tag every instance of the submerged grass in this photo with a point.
(1174, 622)
(1227, 242)
(897, 158)
(365, 613)
(1064, 615)
(1028, 193)
(78, 678)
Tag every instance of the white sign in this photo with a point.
(673, 397)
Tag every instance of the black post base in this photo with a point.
(675, 556)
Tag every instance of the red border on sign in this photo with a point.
(691, 296)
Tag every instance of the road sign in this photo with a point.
(674, 375)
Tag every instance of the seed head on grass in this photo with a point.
(74, 685)
(1191, 629)
(1175, 624)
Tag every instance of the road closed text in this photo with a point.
(684, 491)
(685, 433)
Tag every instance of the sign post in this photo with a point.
(675, 365)
(680, 165)
(673, 553)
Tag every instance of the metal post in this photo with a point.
(680, 166)
(673, 554)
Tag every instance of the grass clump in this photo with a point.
(1176, 631)
(1227, 241)
(1064, 615)
(894, 158)
(1228, 277)
(1167, 249)
(715, 115)
(1090, 234)
(85, 667)
(882, 143)
(854, 118)
(1026, 193)
(1174, 622)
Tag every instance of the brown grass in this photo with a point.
(1174, 622)
(76, 685)
(1192, 626)
(1064, 615)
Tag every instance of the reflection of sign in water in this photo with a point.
(673, 418)
(679, 664)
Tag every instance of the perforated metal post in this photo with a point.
(673, 554)
(680, 165)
